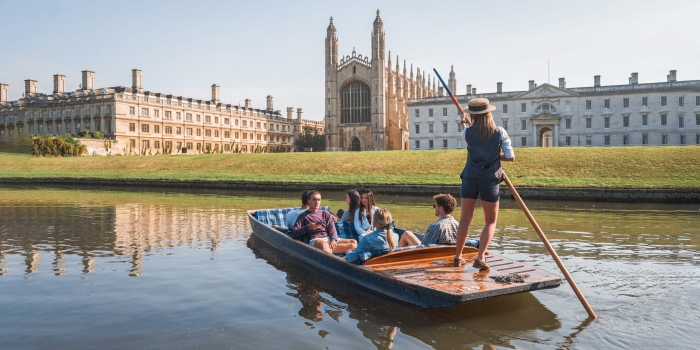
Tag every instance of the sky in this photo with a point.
(257, 48)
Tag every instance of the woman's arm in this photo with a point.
(357, 223)
(508, 154)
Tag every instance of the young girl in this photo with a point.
(364, 214)
(381, 241)
(481, 175)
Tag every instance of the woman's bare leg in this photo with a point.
(465, 220)
(408, 239)
(490, 218)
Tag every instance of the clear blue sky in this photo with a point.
(255, 48)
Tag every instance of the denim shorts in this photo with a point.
(487, 189)
(313, 240)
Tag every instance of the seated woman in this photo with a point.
(365, 213)
(381, 241)
(352, 198)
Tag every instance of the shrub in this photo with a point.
(57, 146)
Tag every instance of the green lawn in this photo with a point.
(616, 167)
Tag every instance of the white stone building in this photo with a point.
(666, 113)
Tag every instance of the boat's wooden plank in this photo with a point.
(417, 255)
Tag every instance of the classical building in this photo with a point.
(148, 122)
(366, 98)
(665, 113)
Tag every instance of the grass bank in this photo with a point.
(600, 167)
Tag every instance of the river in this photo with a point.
(127, 268)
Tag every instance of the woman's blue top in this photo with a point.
(361, 224)
(371, 245)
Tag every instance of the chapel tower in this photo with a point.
(366, 99)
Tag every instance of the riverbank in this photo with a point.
(588, 173)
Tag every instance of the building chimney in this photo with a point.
(672, 76)
(596, 81)
(499, 87)
(440, 91)
(469, 89)
(299, 112)
(269, 103)
(88, 80)
(136, 80)
(59, 83)
(473, 91)
(562, 83)
(634, 79)
(290, 113)
(30, 87)
(531, 84)
(215, 94)
(247, 103)
(4, 90)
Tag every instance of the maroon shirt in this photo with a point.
(326, 230)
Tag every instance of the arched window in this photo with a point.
(546, 108)
(355, 103)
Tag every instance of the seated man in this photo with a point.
(292, 216)
(318, 226)
(442, 231)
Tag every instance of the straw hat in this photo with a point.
(479, 106)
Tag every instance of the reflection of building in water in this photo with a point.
(91, 232)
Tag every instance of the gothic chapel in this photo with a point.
(367, 100)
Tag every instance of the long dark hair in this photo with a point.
(355, 202)
(485, 124)
(370, 204)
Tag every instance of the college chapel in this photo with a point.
(367, 101)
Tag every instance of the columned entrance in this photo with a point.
(546, 137)
(356, 145)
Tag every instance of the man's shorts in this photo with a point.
(488, 190)
(313, 240)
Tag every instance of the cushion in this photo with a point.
(346, 230)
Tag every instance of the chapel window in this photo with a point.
(355, 103)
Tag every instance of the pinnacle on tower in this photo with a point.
(331, 27)
(397, 64)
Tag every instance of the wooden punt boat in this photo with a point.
(420, 277)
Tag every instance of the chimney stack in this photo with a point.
(4, 90)
(672, 76)
(30, 87)
(562, 83)
(59, 83)
(269, 103)
(596, 81)
(215, 94)
(299, 112)
(531, 84)
(473, 91)
(136, 80)
(290, 113)
(499, 87)
(88, 80)
(440, 91)
(469, 89)
(634, 79)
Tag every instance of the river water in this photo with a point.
(117, 269)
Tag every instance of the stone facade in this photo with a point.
(148, 122)
(666, 113)
(366, 98)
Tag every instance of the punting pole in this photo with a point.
(534, 224)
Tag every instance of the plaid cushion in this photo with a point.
(272, 216)
(346, 230)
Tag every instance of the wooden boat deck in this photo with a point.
(433, 270)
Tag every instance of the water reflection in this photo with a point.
(128, 232)
(470, 325)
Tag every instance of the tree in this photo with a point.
(310, 138)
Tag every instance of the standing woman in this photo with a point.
(364, 214)
(481, 175)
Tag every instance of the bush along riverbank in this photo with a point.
(562, 167)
